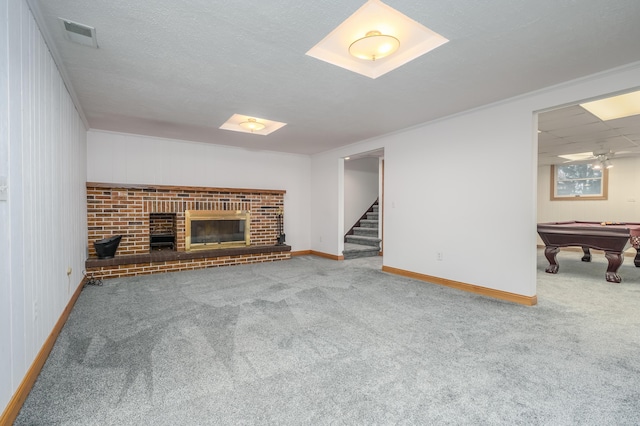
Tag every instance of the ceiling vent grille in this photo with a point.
(79, 33)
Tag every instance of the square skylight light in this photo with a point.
(615, 107)
(415, 40)
(235, 121)
(578, 156)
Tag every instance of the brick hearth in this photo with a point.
(126, 210)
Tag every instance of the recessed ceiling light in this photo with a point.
(615, 107)
(578, 156)
(253, 125)
(374, 45)
(350, 45)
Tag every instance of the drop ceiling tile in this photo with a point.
(561, 113)
(633, 136)
(594, 137)
(581, 130)
(568, 121)
(626, 122)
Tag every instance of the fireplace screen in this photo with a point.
(210, 229)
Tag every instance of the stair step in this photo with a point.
(363, 240)
(369, 223)
(375, 208)
(354, 251)
(372, 215)
(360, 253)
(369, 232)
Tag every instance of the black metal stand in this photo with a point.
(281, 235)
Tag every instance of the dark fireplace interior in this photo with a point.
(162, 231)
(217, 231)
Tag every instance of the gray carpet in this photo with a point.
(314, 341)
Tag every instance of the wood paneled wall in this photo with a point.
(43, 222)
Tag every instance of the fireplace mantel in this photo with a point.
(185, 188)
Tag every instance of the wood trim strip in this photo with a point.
(316, 253)
(381, 207)
(15, 404)
(471, 288)
(184, 188)
(326, 255)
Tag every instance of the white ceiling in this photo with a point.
(179, 69)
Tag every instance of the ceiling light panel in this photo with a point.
(615, 107)
(577, 156)
(374, 16)
(253, 125)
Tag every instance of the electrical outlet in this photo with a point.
(439, 255)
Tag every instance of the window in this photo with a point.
(578, 182)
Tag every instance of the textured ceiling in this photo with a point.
(179, 69)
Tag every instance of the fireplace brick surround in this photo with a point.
(115, 209)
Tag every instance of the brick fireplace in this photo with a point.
(152, 221)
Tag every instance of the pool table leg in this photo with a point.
(615, 260)
(636, 261)
(550, 253)
(587, 254)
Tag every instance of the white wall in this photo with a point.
(6, 385)
(471, 204)
(360, 188)
(475, 202)
(327, 212)
(135, 159)
(43, 222)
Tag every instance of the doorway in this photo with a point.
(362, 204)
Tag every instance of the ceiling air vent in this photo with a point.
(79, 33)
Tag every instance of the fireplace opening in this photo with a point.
(162, 231)
(210, 229)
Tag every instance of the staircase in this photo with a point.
(362, 240)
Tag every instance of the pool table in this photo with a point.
(611, 237)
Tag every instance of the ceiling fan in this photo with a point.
(601, 158)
